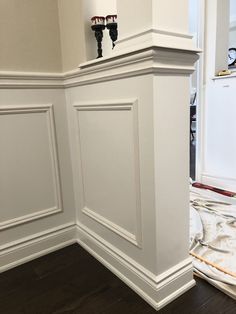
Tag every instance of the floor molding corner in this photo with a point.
(158, 291)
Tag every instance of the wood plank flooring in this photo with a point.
(72, 281)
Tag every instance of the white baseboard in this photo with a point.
(27, 249)
(158, 291)
(219, 181)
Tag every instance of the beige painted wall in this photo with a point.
(75, 26)
(72, 33)
(49, 35)
(29, 36)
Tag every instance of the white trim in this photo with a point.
(231, 76)
(48, 110)
(21, 251)
(130, 104)
(145, 60)
(32, 80)
(232, 24)
(22, 75)
(157, 39)
(156, 31)
(27, 218)
(110, 225)
(227, 183)
(169, 285)
(207, 174)
(200, 92)
(151, 60)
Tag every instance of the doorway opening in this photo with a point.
(212, 149)
(196, 29)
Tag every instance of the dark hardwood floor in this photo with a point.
(72, 281)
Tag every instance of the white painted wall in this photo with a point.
(217, 166)
(232, 37)
(193, 17)
(216, 37)
(232, 11)
(177, 18)
(232, 25)
(194, 11)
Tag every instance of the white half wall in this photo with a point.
(124, 170)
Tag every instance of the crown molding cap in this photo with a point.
(157, 37)
(142, 61)
(151, 60)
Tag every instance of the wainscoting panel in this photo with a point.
(29, 173)
(108, 144)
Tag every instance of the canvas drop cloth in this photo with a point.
(213, 237)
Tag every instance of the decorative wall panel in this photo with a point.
(109, 148)
(29, 171)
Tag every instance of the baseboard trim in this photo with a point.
(219, 181)
(24, 250)
(158, 291)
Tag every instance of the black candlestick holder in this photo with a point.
(98, 29)
(112, 26)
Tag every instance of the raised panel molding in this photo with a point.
(110, 225)
(57, 208)
(118, 105)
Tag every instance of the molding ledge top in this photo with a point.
(231, 76)
(149, 39)
(151, 51)
(145, 60)
(157, 37)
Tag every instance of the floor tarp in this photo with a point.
(213, 238)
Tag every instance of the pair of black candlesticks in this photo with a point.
(98, 25)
